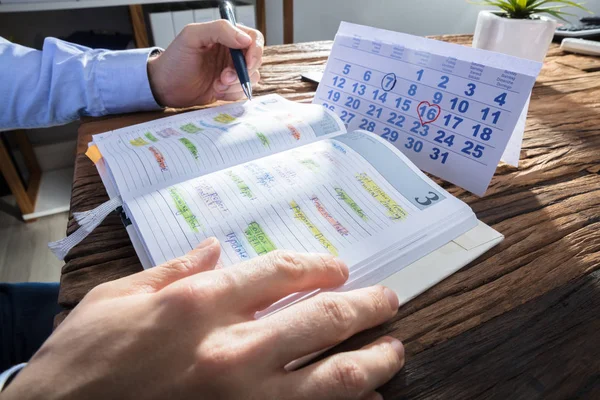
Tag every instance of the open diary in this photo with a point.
(272, 174)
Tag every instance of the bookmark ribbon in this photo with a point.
(88, 221)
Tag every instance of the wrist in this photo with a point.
(153, 77)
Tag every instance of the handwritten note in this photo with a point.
(449, 108)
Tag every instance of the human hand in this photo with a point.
(183, 330)
(197, 68)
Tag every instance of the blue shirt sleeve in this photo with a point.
(65, 81)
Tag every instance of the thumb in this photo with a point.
(203, 258)
(219, 31)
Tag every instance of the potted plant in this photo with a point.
(518, 28)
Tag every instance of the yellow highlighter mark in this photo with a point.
(224, 118)
(342, 195)
(138, 142)
(394, 211)
(300, 216)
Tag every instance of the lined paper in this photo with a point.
(323, 197)
(159, 153)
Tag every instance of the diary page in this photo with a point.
(169, 150)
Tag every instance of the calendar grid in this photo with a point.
(395, 110)
(420, 137)
(471, 100)
(420, 65)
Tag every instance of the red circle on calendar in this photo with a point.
(427, 114)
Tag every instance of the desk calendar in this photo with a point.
(450, 109)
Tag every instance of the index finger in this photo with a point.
(253, 285)
(254, 52)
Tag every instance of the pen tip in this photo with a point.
(247, 90)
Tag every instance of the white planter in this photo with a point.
(524, 38)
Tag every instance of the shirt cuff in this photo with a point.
(122, 78)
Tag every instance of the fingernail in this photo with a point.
(205, 243)
(343, 266)
(243, 38)
(230, 77)
(392, 299)
(398, 347)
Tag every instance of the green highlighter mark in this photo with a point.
(191, 128)
(348, 200)
(190, 146)
(310, 164)
(263, 139)
(184, 210)
(259, 240)
(151, 137)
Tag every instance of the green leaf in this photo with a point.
(563, 2)
(520, 9)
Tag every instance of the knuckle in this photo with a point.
(378, 303)
(181, 264)
(220, 358)
(193, 295)
(350, 376)
(225, 280)
(287, 264)
(227, 353)
(328, 264)
(222, 25)
(260, 39)
(187, 31)
(339, 313)
(181, 298)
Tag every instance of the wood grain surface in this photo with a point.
(519, 322)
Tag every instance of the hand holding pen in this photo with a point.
(197, 67)
(226, 11)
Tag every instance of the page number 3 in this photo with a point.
(431, 197)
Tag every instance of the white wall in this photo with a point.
(274, 18)
(319, 19)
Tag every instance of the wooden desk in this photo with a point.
(522, 321)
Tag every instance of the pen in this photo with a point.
(239, 62)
